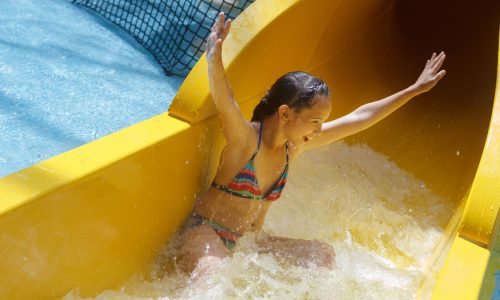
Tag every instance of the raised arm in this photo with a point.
(368, 114)
(235, 127)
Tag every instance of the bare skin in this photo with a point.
(303, 130)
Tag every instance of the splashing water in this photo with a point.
(382, 222)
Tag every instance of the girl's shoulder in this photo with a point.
(248, 147)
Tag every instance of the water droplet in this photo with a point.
(348, 238)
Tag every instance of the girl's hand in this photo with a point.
(431, 74)
(301, 252)
(217, 35)
(315, 252)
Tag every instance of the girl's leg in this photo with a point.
(300, 252)
(201, 248)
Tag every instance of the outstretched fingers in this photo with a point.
(227, 26)
(432, 72)
(439, 75)
(438, 62)
(218, 23)
(430, 62)
(221, 28)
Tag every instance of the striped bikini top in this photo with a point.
(245, 184)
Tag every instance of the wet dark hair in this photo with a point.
(295, 89)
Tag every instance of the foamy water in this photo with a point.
(382, 222)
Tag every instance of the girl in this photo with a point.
(254, 166)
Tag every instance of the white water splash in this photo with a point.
(382, 222)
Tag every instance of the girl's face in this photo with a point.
(302, 126)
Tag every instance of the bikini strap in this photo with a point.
(258, 142)
(286, 147)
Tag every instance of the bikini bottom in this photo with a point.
(228, 237)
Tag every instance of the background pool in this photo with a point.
(68, 77)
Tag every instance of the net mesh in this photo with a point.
(174, 31)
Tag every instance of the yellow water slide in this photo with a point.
(91, 217)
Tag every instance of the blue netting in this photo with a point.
(174, 31)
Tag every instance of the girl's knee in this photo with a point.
(198, 243)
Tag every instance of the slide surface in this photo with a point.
(91, 217)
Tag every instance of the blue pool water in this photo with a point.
(68, 77)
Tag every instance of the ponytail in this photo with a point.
(295, 89)
(263, 110)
